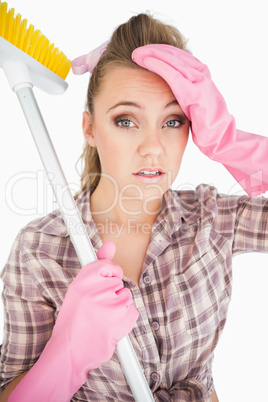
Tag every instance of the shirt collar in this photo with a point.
(178, 208)
(186, 208)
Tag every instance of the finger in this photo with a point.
(187, 57)
(109, 270)
(125, 297)
(129, 318)
(174, 67)
(107, 251)
(172, 55)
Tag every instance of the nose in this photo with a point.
(151, 144)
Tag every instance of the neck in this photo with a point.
(120, 207)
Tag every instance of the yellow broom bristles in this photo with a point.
(32, 42)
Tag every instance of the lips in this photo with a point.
(150, 172)
(150, 175)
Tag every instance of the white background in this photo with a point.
(231, 38)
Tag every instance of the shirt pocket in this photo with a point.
(204, 290)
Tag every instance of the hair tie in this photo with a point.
(88, 62)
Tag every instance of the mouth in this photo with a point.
(146, 173)
(150, 172)
(150, 175)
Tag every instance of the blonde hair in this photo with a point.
(139, 30)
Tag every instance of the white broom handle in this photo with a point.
(76, 229)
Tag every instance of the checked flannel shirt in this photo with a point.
(183, 293)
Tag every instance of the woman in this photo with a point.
(174, 248)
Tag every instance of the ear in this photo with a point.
(87, 124)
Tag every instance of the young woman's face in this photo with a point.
(139, 130)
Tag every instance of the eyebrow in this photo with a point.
(124, 103)
(174, 102)
(134, 104)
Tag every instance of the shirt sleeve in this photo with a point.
(251, 225)
(29, 317)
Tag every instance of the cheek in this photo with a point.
(110, 141)
(111, 149)
(185, 140)
(180, 143)
(176, 152)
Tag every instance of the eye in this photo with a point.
(125, 123)
(174, 123)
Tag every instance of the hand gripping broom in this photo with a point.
(28, 59)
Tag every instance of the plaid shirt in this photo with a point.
(183, 294)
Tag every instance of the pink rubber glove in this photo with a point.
(214, 131)
(96, 313)
(87, 62)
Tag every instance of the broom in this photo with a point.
(29, 59)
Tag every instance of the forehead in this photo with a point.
(127, 81)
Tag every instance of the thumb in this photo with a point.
(106, 251)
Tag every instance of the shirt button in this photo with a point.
(155, 325)
(147, 280)
(155, 377)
